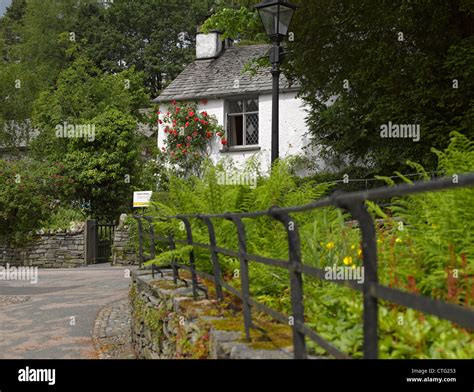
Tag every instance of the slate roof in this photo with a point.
(215, 78)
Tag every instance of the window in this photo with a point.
(242, 122)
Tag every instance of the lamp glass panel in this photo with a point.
(269, 16)
(286, 14)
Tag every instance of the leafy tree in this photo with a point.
(384, 61)
(105, 161)
(155, 36)
(241, 24)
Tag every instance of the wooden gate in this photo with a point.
(99, 241)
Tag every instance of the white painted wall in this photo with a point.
(292, 129)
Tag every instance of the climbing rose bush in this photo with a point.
(188, 134)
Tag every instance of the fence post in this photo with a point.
(192, 262)
(369, 253)
(214, 258)
(296, 282)
(173, 263)
(244, 274)
(152, 237)
(140, 240)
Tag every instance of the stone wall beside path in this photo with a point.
(167, 323)
(60, 249)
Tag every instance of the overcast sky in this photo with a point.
(3, 5)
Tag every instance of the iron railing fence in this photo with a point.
(371, 290)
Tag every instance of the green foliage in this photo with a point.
(439, 227)
(418, 256)
(105, 163)
(405, 79)
(157, 37)
(238, 24)
(63, 218)
(29, 193)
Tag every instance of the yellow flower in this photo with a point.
(398, 241)
(353, 266)
(359, 252)
(379, 241)
(347, 260)
(353, 246)
(330, 245)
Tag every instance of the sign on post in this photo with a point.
(141, 199)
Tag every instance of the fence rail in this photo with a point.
(371, 290)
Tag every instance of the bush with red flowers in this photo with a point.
(188, 133)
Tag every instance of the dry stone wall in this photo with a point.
(64, 249)
(167, 323)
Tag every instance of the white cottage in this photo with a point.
(242, 103)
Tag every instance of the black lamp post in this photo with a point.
(276, 17)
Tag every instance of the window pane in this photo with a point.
(236, 106)
(251, 105)
(252, 129)
(236, 130)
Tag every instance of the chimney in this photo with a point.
(208, 45)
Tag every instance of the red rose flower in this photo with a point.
(173, 102)
(224, 142)
(187, 124)
(191, 113)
